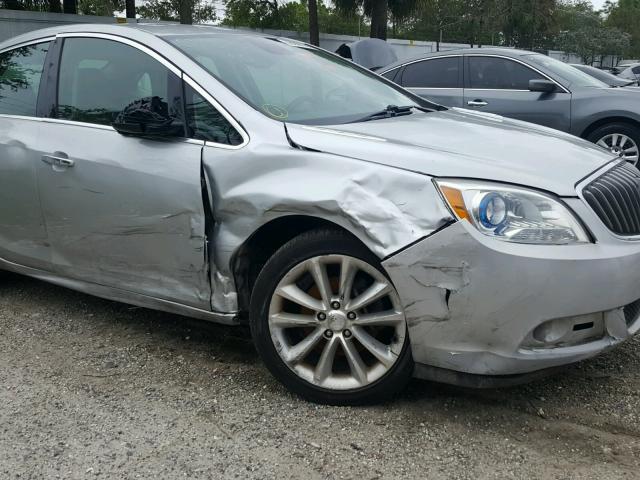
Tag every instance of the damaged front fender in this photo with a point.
(385, 207)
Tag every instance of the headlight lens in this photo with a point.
(512, 214)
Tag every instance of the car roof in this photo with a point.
(129, 29)
(505, 52)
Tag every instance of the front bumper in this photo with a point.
(476, 305)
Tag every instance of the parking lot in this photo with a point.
(92, 388)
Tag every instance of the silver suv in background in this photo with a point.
(530, 87)
(364, 234)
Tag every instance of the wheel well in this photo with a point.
(253, 254)
(606, 121)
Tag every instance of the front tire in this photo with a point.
(621, 139)
(328, 322)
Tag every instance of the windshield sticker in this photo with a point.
(275, 111)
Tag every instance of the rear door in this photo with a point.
(23, 236)
(501, 85)
(122, 211)
(436, 79)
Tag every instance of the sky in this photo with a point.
(597, 4)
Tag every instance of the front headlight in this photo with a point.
(512, 214)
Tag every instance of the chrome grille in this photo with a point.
(615, 197)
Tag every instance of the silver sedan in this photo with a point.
(364, 234)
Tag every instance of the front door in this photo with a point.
(501, 85)
(122, 211)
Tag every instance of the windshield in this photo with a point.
(572, 76)
(601, 75)
(290, 81)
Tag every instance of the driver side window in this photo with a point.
(99, 78)
(496, 73)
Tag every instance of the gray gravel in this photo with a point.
(91, 388)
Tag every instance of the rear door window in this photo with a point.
(20, 73)
(434, 73)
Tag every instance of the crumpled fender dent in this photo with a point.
(426, 280)
(385, 207)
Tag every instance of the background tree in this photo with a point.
(70, 6)
(314, 29)
(183, 11)
(625, 16)
(130, 8)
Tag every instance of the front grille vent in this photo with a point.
(615, 197)
(631, 312)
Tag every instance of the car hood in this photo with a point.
(463, 143)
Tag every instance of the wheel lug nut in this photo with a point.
(335, 305)
(322, 316)
(346, 333)
(328, 333)
(351, 315)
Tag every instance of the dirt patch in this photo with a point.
(92, 388)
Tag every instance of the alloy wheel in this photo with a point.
(620, 145)
(337, 322)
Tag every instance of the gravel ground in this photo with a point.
(92, 388)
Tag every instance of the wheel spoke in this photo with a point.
(614, 140)
(291, 320)
(325, 364)
(357, 366)
(347, 274)
(293, 293)
(375, 347)
(370, 295)
(319, 273)
(379, 319)
(300, 350)
(623, 141)
(603, 144)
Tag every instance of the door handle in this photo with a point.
(477, 103)
(57, 160)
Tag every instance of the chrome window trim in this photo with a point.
(498, 90)
(565, 90)
(175, 70)
(58, 120)
(433, 88)
(453, 55)
(27, 43)
(391, 70)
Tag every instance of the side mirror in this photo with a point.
(544, 86)
(148, 117)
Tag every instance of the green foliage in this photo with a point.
(625, 16)
(263, 14)
(169, 10)
(100, 7)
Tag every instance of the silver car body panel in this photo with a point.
(465, 309)
(484, 146)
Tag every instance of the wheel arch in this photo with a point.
(251, 256)
(607, 120)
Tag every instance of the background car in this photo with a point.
(604, 76)
(632, 72)
(530, 87)
(623, 65)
